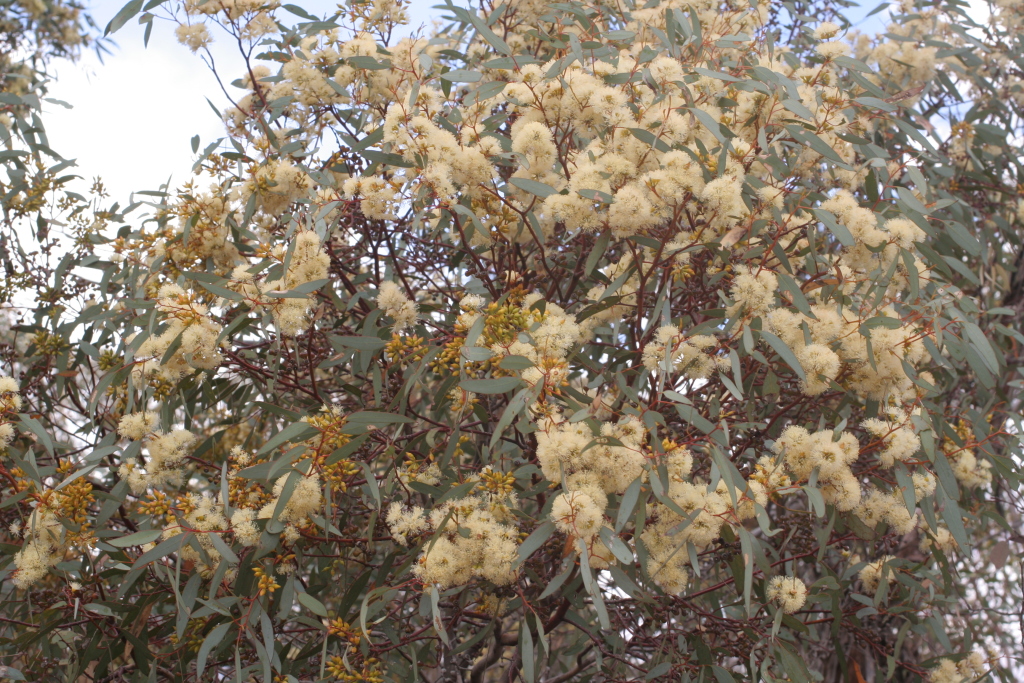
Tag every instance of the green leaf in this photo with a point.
(952, 515)
(476, 353)
(456, 492)
(300, 292)
(375, 417)
(217, 290)
(125, 13)
(165, 548)
(596, 196)
(708, 122)
(462, 76)
(649, 138)
(875, 103)
(299, 431)
(816, 500)
(499, 385)
(981, 343)
(435, 609)
(716, 74)
(36, 427)
(619, 549)
(534, 541)
(963, 237)
(312, 604)
(627, 504)
(528, 653)
(599, 249)
(525, 397)
(809, 139)
(515, 363)
(792, 664)
(138, 538)
(693, 416)
(789, 285)
(659, 670)
(359, 343)
(784, 352)
(841, 232)
(908, 198)
(879, 321)
(221, 546)
(592, 585)
(300, 12)
(211, 641)
(534, 187)
(368, 63)
(798, 109)
(478, 23)
(486, 91)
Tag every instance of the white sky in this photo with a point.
(134, 115)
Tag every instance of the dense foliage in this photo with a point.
(34, 194)
(560, 342)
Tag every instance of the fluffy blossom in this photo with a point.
(477, 541)
(789, 592)
(43, 548)
(753, 290)
(195, 36)
(577, 514)
(405, 522)
(397, 305)
(136, 426)
(243, 525)
(871, 574)
(804, 452)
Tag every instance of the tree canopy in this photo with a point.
(579, 341)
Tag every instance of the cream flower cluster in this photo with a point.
(397, 306)
(901, 60)
(705, 511)
(830, 340)
(588, 466)
(202, 230)
(43, 548)
(831, 457)
(195, 36)
(789, 592)
(753, 291)
(971, 668)
(306, 499)
(190, 326)
(547, 343)
(305, 261)
(874, 246)
(405, 521)
(877, 506)
(276, 185)
(10, 402)
(821, 364)
(899, 441)
(205, 518)
(166, 452)
(608, 176)
(968, 469)
(871, 574)
(475, 537)
(673, 351)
